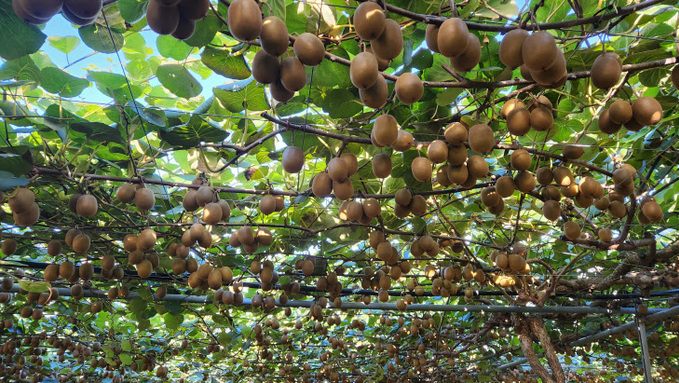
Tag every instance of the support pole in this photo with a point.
(643, 341)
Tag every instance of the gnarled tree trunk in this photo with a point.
(526, 327)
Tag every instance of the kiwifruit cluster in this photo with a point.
(453, 40)
(492, 200)
(268, 276)
(143, 197)
(269, 204)
(405, 202)
(77, 240)
(538, 115)
(24, 209)
(606, 70)
(537, 54)
(360, 212)
(424, 245)
(85, 205)
(68, 271)
(572, 230)
(79, 12)
(292, 159)
(140, 252)
(197, 233)
(644, 111)
(214, 210)
(176, 17)
(510, 263)
(386, 132)
(207, 276)
(409, 88)
(335, 179)
(385, 36)
(250, 239)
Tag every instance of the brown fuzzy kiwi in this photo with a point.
(550, 192)
(385, 129)
(633, 126)
(504, 186)
(279, 93)
(437, 152)
(196, 232)
(606, 70)
(66, 270)
(481, 138)
(471, 56)
(571, 230)
(18, 7)
(363, 70)
(351, 162)
(372, 208)
(541, 118)
(321, 185)
(570, 191)
(572, 151)
(549, 76)
(45, 9)
(246, 235)
(144, 269)
(544, 175)
(376, 95)
(497, 209)
(81, 243)
(68, 15)
(431, 36)
(652, 210)
(620, 112)
(456, 133)
(72, 202)
(562, 176)
(293, 75)
(86, 271)
(647, 111)
(605, 234)
(265, 67)
(51, 273)
(185, 28)
(194, 10)
(309, 49)
(521, 159)
(510, 105)
(403, 197)
(458, 174)
(453, 37)
(675, 76)
(421, 168)
(511, 48)
(477, 166)
(274, 36)
(343, 190)
(381, 165)
(518, 121)
(189, 201)
(390, 43)
(86, 206)
(244, 19)
(418, 205)
(622, 176)
(489, 196)
(29, 217)
(337, 169)
(525, 182)
(144, 199)
(442, 175)
(354, 211)
(369, 21)
(21, 200)
(584, 201)
(54, 247)
(457, 155)
(292, 159)
(602, 203)
(72, 233)
(125, 193)
(551, 210)
(9, 246)
(226, 209)
(409, 88)
(606, 125)
(525, 73)
(212, 213)
(539, 51)
(162, 19)
(214, 279)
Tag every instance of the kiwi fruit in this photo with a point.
(544, 175)
(274, 36)
(504, 186)
(497, 209)
(162, 19)
(204, 195)
(421, 168)
(390, 43)
(481, 138)
(606, 70)
(9, 246)
(525, 182)
(125, 193)
(652, 210)
(351, 163)
(442, 175)
(45, 9)
(226, 209)
(381, 165)
(458, 174)
(418, 205)
(562, 176)
(437, 151)
(620, 112)
(521, 159)
(194, 234)
(622, 176)
(607, 126)
(363, 70)
(453, 37)
(337, 169)
(602, 203)
(457, 155)
(85, 9)
(279, 93)
(571, 230)
(321, 185)
(265, 68)
(343, 190)
(144, 199)
(66, 270)
(21, 200)
(477, 167)
(541, 118)
(385, 129)
(404, 141)
(572, 151)
(18, 7)
(72, 202)
(605, 235)
(470, 57)
(369, 21)
(675, 76)
(28, 218)
(86, 271)
(489, 196)
(550, 192)
(511, 48)
(403, 197)
(144, 269)
(431, 37)
(539, 51)
(456, 133)
(551, 210)
(51, 273)
(309, 49)
(81, 243)
(292, 159)
(570, 191)
(354, 211)
(510, 105)
(212, 213)
(617, 209)
(409, 88)
(244, 19)
(189, 201)
(194, 10)
(376, 95)
(54, 247)
(518, 121)
(633, 125)
(72, 233)
(68, 15)
(547, 77)
(293, 75)
(267, 205)
(86, 206)
(647, 111)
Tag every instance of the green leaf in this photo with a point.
(193, 133)
(225, 64)
(278, 8)
(173, 321)
(126, 345)
(178, 80)
(34, 286)
(65, 44)
(206, 30)
(132, 10)
(9, 181)
(18, 37)
(172, 48)
(101, 39)
(55, 80)
(16, 160)
(241, 95)
(125, 358)
(23, 68)
(137, 305)
(97, 131)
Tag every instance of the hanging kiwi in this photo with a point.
(453, 37)
(541, 118)
(481, 138)
(363, 70)
(431, 37)
(369, 21)
(309, 49)
(437, 151)
(84, 9)
(421, 168)
(511, 48)
(162, 19)
(381, 165)
(409, 88)
(607, 126)
(470, 57)
(539, 51)
(385, 130)
(390, 43)
(293, 75)
(520, 159)
(265, 67)
(456, 133)
(518, 121)
(245, 19)
(647, 111)
(376, 95)
(606, 70)
(292, 159)
(620, 112)
(274, 36)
